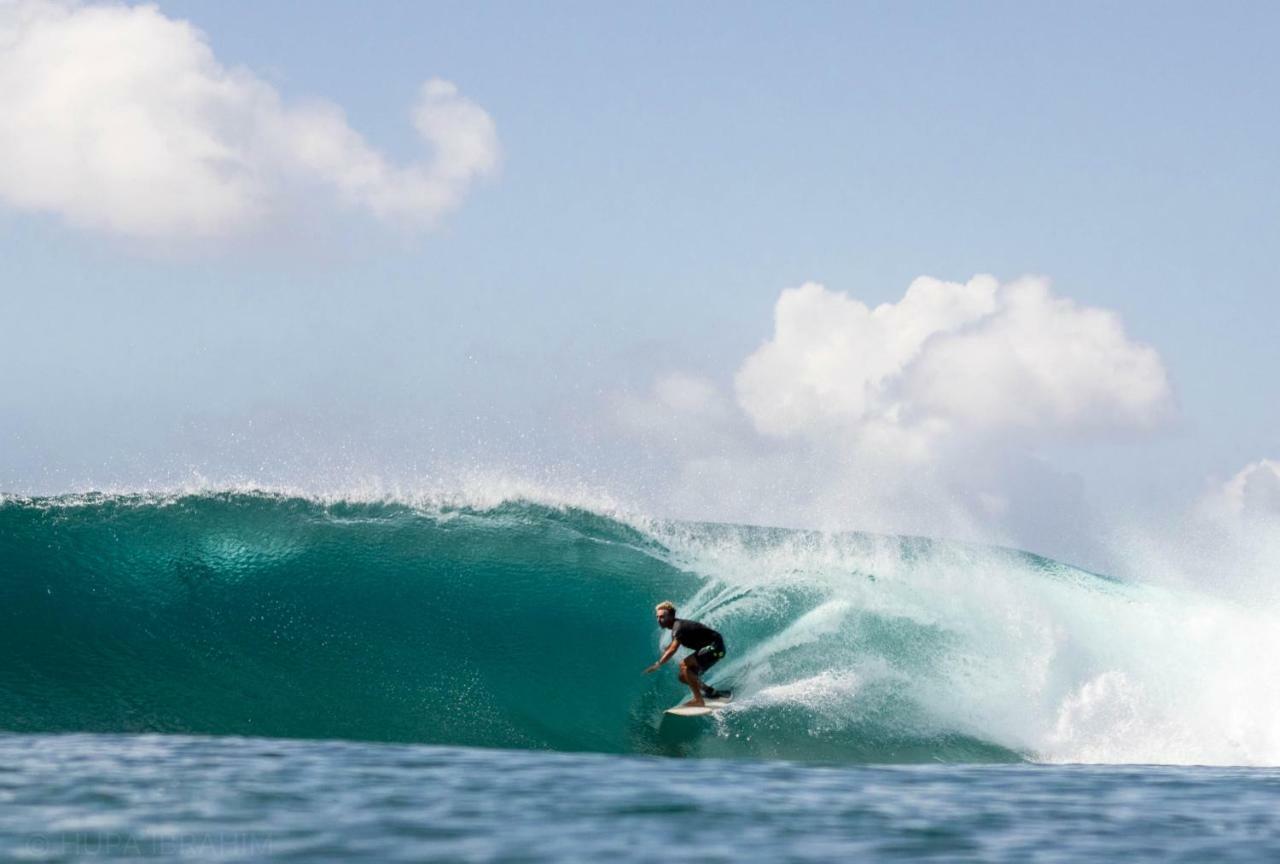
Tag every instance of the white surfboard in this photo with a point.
(712, 706)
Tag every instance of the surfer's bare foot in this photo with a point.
(695, 703)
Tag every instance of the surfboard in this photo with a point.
(712, 706)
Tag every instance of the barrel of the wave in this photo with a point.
(259, 614)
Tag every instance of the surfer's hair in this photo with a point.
(665, 605)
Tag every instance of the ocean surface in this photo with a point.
(252, 674)
(134, 797)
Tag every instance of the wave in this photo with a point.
(523, 624)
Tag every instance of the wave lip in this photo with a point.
(509, 623)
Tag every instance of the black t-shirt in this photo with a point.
(691, 634)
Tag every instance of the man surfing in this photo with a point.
(708, 649)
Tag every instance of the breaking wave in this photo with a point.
(524, 624)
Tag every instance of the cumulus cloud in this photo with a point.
(921, 416)
(121, 120)
(1229, 538)
(1253, 493)
(977, 357)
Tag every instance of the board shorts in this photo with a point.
(706, 657)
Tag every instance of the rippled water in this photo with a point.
(136, 797)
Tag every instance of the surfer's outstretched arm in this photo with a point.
(666, 655)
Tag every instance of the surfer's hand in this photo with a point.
(652, 668)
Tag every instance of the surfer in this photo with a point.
(707, 646)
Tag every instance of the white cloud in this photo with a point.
(121, 120)
(1253, 493)
(832, 360)
(978, 358)
(1229, 538)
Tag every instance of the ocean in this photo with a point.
(245, 675)
(134, 797)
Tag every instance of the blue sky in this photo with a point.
(666, 171)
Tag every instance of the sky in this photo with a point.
(995, 271)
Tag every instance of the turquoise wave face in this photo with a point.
(522, 625)
(255, 614)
